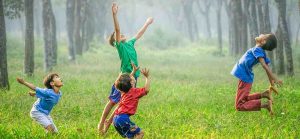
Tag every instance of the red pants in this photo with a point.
(244, 101)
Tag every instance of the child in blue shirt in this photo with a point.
(243, 71)
(47, 99)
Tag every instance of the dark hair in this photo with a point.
(271, 43)
(124, 83)
(112, 39)
(48, 79)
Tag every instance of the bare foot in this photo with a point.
(268, 94)
(270, 107)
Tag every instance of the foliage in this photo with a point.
(13, 8)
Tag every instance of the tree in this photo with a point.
(219, 8)
(253, 22)
(267, 28)
(70, 9)
(205, 12)
(77, 28)
(29, 38)
(191, 23)
(49, 35)
(4, 84)
(281, 5)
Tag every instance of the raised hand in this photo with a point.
(31, 93)
(145, 72)
(20, 80)
(114, 8)
(149, 20)
(134, 68)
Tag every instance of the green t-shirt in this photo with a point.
(127, 54)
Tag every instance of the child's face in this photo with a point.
(57, 82)
(262, 38)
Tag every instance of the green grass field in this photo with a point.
(192, 96)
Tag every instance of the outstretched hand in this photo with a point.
(31, 93)
(149, 20)
(20, 80)
(134, 67)
(145, 72)
(114, 8)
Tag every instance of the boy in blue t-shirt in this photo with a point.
(243, 70)
(47, 99)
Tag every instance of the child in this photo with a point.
(243, 70)
(127, 55)
(47, 99)
(128, 104)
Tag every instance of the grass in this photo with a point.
(192, 96)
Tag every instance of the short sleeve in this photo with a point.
(132, 42)
(267, 60)
(258, 52)
(140, 92)
(40, 93)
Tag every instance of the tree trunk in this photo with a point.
(228, 6)
(47, 30)
(219, 26)
(260, 17)
(4, 84)
(53, 36)
(37, 17)
(77, 27)
(253, 22)
(70, 9)
(244, 27)
(205, 12)
(281, 5)
(187, 8)
(279, 51)
(267, 26)
(238, 27)
(29, 39)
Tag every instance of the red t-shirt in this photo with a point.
(129, 101)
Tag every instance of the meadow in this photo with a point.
(192, 95)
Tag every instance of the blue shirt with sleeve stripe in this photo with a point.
(47, 99)
(243, 68)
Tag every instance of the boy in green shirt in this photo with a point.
(128, 56)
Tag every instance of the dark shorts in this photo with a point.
(115, 94)
(125, 127)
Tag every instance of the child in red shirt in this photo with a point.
(129, 102)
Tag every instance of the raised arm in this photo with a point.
(143, 29)
(29, 85)
(271, 76)
(114, 9)
(145, 72)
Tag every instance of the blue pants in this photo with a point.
(124, 126)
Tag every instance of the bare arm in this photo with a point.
(29, 85)
(271, 76)
(144, 28)
(116, 23)
(145, 72)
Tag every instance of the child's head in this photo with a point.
(125, 82)
(112, 38)
(267, 41)
(52, 80)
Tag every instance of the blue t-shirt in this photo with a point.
(47, 99)
(243, 68)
